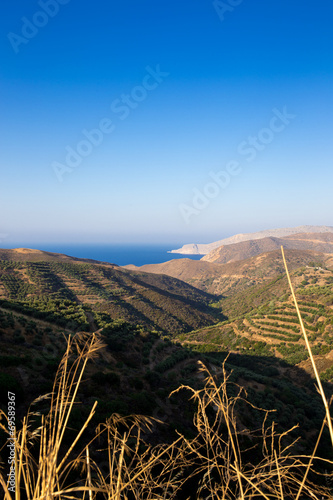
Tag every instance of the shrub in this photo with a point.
(110, 378)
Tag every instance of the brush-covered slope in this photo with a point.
(203, 249)
(319, 242)
(136, 370)
(71, 289)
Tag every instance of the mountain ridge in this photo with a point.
(204, 248)
(35, 255)
(318, 242)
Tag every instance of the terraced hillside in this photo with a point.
(266, 322)
(92, 293)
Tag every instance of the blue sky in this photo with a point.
(178, 90)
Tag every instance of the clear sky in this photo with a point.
(164, 120)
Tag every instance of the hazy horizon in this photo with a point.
(170, 244)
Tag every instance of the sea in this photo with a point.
(122, 254)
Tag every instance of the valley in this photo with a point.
(157, 323)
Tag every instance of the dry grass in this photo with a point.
(129, 469)
(218, 449)
(307, 343)
(214, 465)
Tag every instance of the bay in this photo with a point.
(121, 255)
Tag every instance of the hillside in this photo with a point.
(227, 279)
(89, 293)
(188, 270)
(203, 249)
(264, 320)
(318, 242)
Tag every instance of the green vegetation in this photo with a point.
(62, 292)
(63, 313)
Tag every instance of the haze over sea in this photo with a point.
(121, 254)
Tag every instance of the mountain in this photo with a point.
(90, 293)
(228, 278)
(203, 249)
(319, 242)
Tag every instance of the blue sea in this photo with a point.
(121, 255)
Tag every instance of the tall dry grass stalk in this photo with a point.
(42, 477)
(223, 461)
(307, 343)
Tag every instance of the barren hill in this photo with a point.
(203, 249)
(183, 269)
(319, 242)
